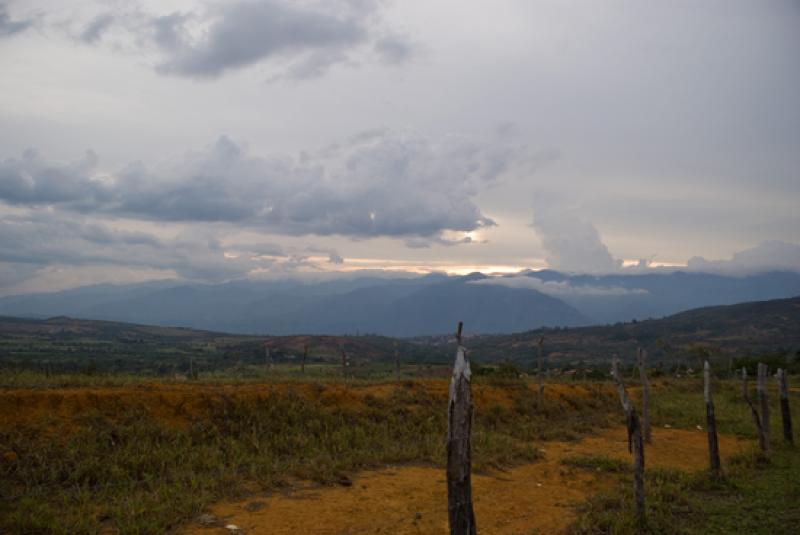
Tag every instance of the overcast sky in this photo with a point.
(212, 140)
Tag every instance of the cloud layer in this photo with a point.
(379, 184)
(296, 39)
(767, 255)
(558, 288)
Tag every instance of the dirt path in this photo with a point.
(533, 498)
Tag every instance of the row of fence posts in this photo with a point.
(460, 409)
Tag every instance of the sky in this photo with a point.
(213, 140)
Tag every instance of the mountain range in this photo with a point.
(406, 306)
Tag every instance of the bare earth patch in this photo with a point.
(533, 498)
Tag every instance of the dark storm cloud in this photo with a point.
(9, 26)
(303, 39)
(385, 184)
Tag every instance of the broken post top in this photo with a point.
(461, 367)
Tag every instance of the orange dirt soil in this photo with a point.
(532, 498)
(60, 410)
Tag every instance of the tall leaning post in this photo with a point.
(635, 446)
(786, 414)
(641, 358)
(459, 455)
(711, 422)
(763, 401)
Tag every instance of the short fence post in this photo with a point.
(786, 414)
(303, 362)
(711, 422)
(642, 363)
(540, 372)
(635, 445)
(459, 455)
(763, 401)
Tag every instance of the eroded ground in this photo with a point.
(533, 498)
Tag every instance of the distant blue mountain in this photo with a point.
(404, 306)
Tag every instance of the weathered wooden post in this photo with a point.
(192, 374)
(268, 356)
(762, 439)
(763, 400)
(540, 372)
(635, 445)
(711, 422)
(459, 455)
(641, 360)
(303, 362)
(786, 414)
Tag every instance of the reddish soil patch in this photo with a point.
(533, 498)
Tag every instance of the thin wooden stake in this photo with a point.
(762, 442)
(642, 363)
(761, 389)
(711, 422)
(303, 362)
(786, 414)
(635, 445)
(459, 454)
(540, 372)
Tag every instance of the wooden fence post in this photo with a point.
(303, 362)
(635, 445)
(762, 441)
(786, 414)
(540, 372)
(711, 422)
(642, 363)
(459, 455)
(763, 401)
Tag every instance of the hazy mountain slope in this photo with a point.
(405, 306)
(745, 328)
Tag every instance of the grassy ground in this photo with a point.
(756, 493)
(143, 458)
